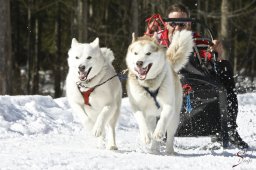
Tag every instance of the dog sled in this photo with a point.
(204, 111)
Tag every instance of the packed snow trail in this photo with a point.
(38, 132)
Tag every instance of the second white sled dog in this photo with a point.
(154, 87)
(93, 88)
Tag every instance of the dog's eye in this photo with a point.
(89, 57)
(135, 53)
(148, 53)
(77, 57)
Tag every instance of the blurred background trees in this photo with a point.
(5, 48)
(35, 36)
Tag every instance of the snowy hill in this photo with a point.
(38, 132)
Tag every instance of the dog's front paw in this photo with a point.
(97, 130)
(146, 137)
(159, 134)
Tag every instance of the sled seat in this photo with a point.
(207, 99)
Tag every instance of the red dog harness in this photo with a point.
(87, 93)
(86, 96)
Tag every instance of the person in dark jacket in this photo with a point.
(224, 73)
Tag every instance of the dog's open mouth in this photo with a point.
(83, 75)
(142, 72)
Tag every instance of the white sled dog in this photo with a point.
(154, 87)
(93, 89)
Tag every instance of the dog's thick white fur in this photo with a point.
(154, 68)
(90, 66)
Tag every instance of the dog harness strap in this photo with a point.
(87, 93)
(105, 81)
(86, 96)
(153, 95)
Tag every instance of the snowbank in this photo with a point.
(38, 132)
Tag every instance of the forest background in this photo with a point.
(35, 36)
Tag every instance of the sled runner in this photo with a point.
(204, 111)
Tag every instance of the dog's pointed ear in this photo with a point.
(133, 37)
(95, 43)
(74, 42)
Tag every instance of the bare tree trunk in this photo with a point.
(135, 17)
(224, 31)
(5, 48)
(16, 48)
(198, 27)
(82, 18)
(85, 20)
(29, 47)
(253, 67)
(73, 21)
(35, 70)
(57, 63)
(235, 56)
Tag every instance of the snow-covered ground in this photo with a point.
(38, 132)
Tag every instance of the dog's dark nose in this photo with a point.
(81, 68)
(139, 63)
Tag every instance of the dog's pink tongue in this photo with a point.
(142, 71)
(82, 76)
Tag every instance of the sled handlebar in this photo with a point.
(180, 20)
